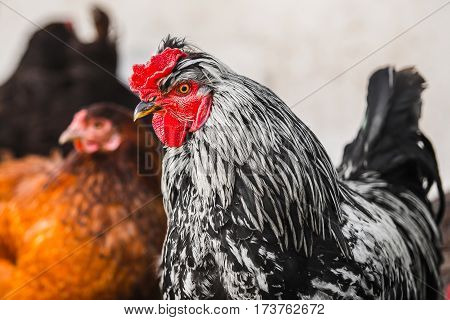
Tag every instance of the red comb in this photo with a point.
(145, 77)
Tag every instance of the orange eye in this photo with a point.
(184, 88)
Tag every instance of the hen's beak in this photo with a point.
(144, 109)
(69, 134)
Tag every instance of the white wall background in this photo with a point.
(291, 46)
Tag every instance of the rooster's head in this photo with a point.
(174, 87)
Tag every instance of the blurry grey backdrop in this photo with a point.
(291, 46)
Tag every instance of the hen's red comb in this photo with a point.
(145, 77)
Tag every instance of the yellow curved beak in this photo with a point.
(144, 109)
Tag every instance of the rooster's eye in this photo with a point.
(184, 88)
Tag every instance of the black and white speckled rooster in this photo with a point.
(255, 207)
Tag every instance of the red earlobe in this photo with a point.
(202, 114)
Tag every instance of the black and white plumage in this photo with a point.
(445, 229)
(256, 209)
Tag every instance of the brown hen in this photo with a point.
(94, 226)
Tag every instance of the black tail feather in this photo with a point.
(390, 141)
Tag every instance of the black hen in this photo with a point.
(56, 77)
(256, 209)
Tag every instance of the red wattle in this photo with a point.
(171, 131)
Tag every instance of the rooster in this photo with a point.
(86, 229)
(445, 228)
(256, 209)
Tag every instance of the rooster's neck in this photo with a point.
(253, 164)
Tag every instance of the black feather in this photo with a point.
(389, 141)
(172, 42)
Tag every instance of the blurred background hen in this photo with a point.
(88, 214)
(57, 75)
